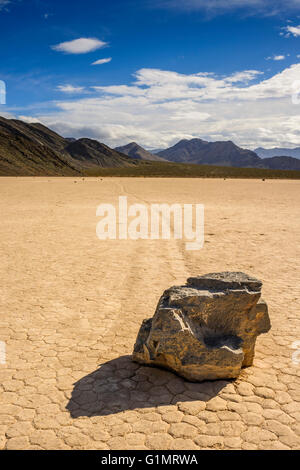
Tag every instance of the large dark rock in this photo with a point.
(207, 329)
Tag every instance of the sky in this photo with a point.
(154, 71)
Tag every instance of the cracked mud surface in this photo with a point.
(71, 306)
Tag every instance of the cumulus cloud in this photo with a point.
(70, 89)
(80, 46)
(102, 61)
(292, 31)
(161, 107)
(276, 57)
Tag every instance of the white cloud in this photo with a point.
(244, 77)
(29, 119)
(80, 46)
(102, 61)
(6, 114)
(276, 57)
(292, 31)
(70, 89)
(160, 107)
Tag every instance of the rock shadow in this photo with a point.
(121, 384)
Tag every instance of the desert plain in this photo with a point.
(71, 306)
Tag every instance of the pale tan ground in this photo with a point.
(70, 302)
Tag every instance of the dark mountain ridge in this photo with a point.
(24, 151)
(93, 153)
(282, 163)
(202, 152)
(33, 149)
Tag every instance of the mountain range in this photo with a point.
(278, 152)
(225, 153)
(33, 149)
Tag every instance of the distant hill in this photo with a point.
(211, 153)
(282, 163)
(33, 149)
(134, 150)
(278, 152)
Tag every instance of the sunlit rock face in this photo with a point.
(207, 329)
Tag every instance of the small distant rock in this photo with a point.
(206, 329)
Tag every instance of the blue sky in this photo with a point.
(154, 71)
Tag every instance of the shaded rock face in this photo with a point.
(207, 329)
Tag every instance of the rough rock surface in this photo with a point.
(207, 329)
